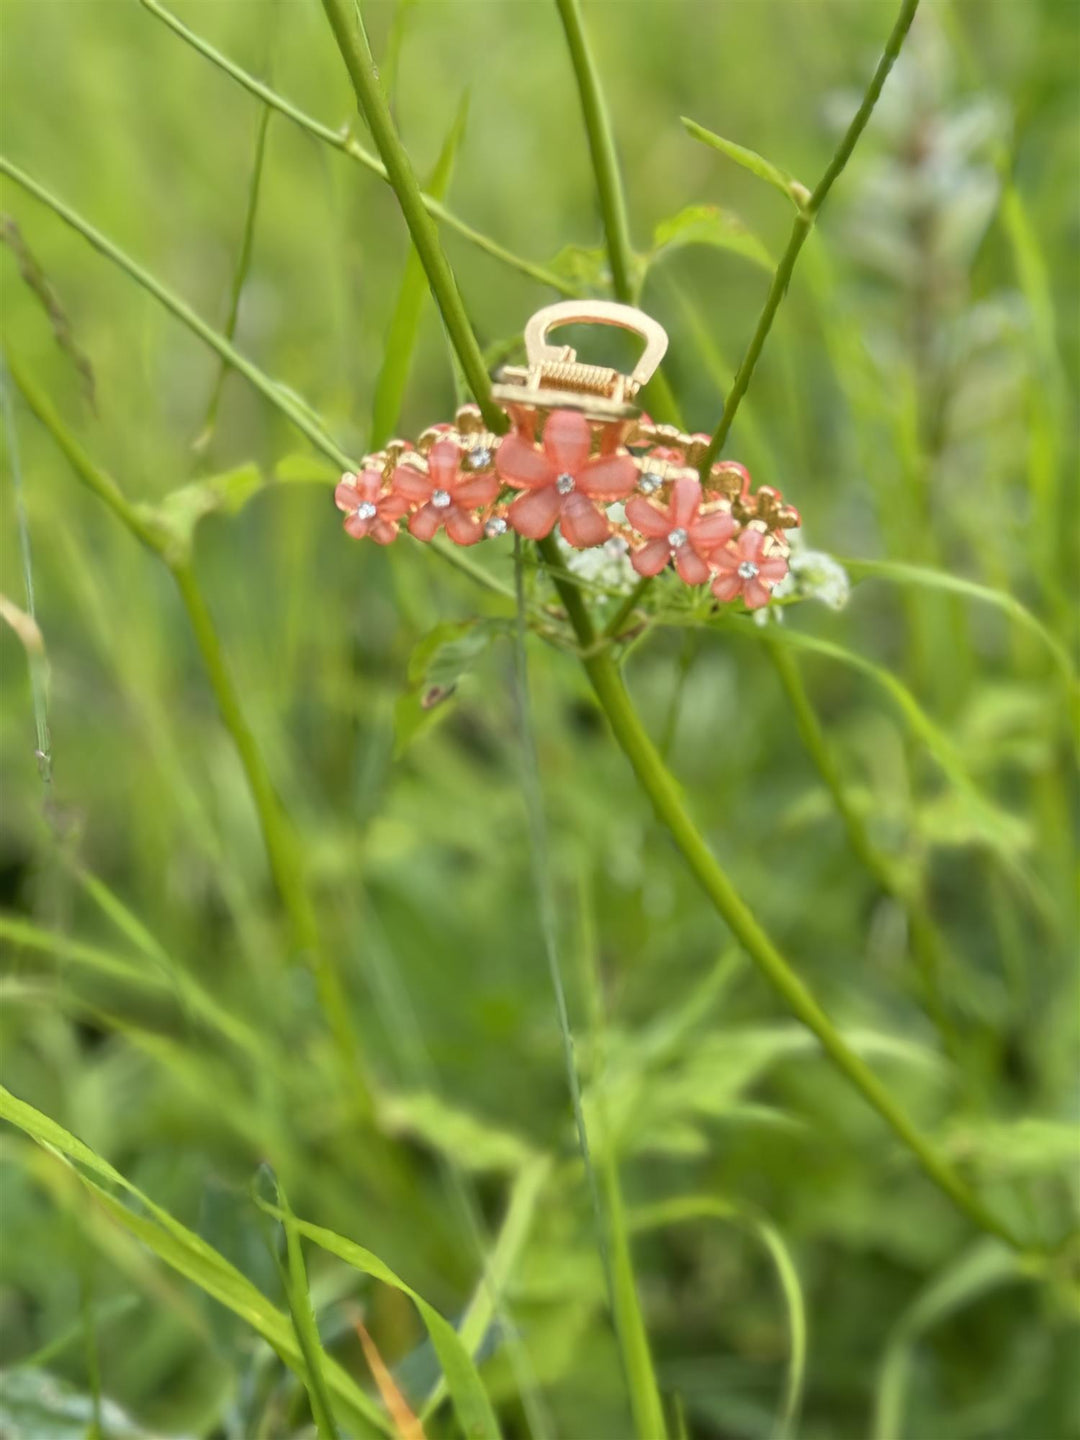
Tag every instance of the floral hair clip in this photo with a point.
(580, 456)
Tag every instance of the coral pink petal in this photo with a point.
(726, 560)
(685, 499)
(369, 483)
(582, 523)
(477, 490)
(651, 558)
(611, 476)
(772, 568)
(357, 527)
(566, 440)
(534, 513)
(691, 567)
(711, 531)
(443, 459)
(346, 496)
(412, 484)
(521, 464)
(392, 507)
(750, 544)
(462, 528)
(425, 523)
(726, 587)
(755, 594)
(382, 532)
(646, 518)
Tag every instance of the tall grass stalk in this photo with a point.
(604, 1187)
(663, 792)
(600, 667)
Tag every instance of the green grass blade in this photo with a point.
(240, 273)
(189, 1255)
(694, 1207)
(924, 577)
(482, 1309)
(463, 1381)
(404, 329)
(295, 1284)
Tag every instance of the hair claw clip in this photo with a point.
(580, 455)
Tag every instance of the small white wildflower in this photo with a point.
(607, 565)
(813, 575)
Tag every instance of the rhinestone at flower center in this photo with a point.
(650, 482)
(440, 499)
(495, 527)
(478, 457)
(747, 570)
(677, 538)
(366, 510)
(564, 483)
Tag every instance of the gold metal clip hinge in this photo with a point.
(555, 378)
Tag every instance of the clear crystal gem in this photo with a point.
(677, 538)
(747, 570)
(366, 510)
(478, 457)
(440, 499)
(650, 482)
(494, 527)
(565, 483)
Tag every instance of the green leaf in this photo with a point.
(436, 667)
(584, 266)
(178, 515)
(466, 1389)
(752, 161)
(694, 1207)
(189, 1255)
(404, 328)
(472, 1143)
(502, 1261)
(708, 225)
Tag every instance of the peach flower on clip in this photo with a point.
(368, 511)
(678, 531)
(746, 569)
(563, 482)
(446, 495)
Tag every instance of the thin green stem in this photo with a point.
(607, 1207)
(602, 149)
(348, 28)
(240, 273)
(183, 312)
(663, 792)
(800, 230)
(349, 146)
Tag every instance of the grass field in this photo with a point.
(671, 1034)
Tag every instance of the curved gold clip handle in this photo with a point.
(595, 312)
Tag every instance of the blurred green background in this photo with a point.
(916, 401)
